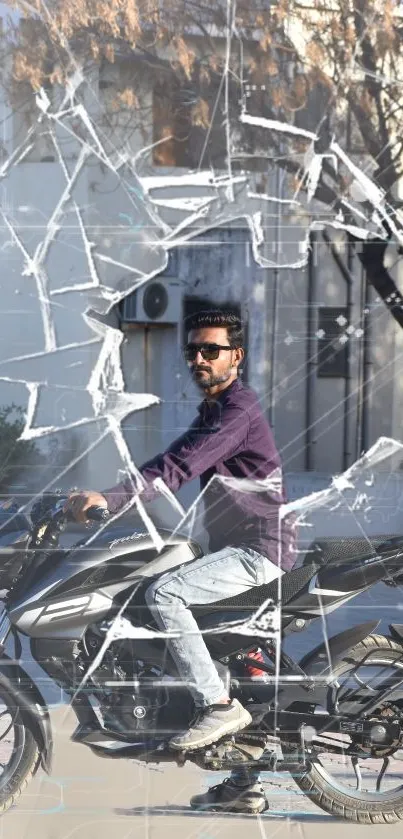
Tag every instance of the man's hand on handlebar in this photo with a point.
(79, 502)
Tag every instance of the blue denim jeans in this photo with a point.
(216, 576)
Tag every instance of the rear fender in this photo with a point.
(31, 705)
(317, 661)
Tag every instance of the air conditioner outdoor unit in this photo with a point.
(157, 301)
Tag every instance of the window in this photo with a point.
(172, 124)
(189, 125)
(332, 358)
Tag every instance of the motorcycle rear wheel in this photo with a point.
(323, 787)
(19, 754)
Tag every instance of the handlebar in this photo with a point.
(97, 514)
(48, 521)
(49, 526)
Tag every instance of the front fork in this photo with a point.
(80, 703)
(27, 697)
(5, 629)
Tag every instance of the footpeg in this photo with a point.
(93, 735)
(83, 731)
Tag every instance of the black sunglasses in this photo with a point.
(207, 351)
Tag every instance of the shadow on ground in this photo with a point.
(174, 810)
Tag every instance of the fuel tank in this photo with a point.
(75, 588)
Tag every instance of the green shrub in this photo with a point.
(15, 454)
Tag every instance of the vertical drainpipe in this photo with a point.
(347, 380)
(366, 365)
(358, 426)
(311, 356)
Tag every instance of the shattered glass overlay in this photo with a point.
(92, 365)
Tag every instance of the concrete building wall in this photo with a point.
(282, 327)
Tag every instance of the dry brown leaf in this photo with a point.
(200, 114)
(186, 56)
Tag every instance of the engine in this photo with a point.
(135, 696)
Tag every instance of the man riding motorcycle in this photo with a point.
(229, 439)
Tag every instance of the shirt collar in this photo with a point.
(207, 407)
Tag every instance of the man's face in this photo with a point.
(208, 373)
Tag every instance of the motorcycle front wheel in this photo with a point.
(19, 754)
(361, 785)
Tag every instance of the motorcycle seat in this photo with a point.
(291, 583)
(341, 551)
(319, 553)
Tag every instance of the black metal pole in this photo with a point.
(347, 274)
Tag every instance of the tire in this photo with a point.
(24, 760)
(327, 796)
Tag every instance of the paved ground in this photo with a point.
(91, 798)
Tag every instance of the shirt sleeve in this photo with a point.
(196, 451)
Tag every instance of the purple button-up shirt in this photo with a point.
(230, 447)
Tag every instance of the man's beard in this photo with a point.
(210, 380)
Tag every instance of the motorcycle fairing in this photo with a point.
(75, 588)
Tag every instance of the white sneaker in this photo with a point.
(211, 724)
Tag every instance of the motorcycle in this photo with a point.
(334, 719)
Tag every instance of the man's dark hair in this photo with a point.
(218, 317)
